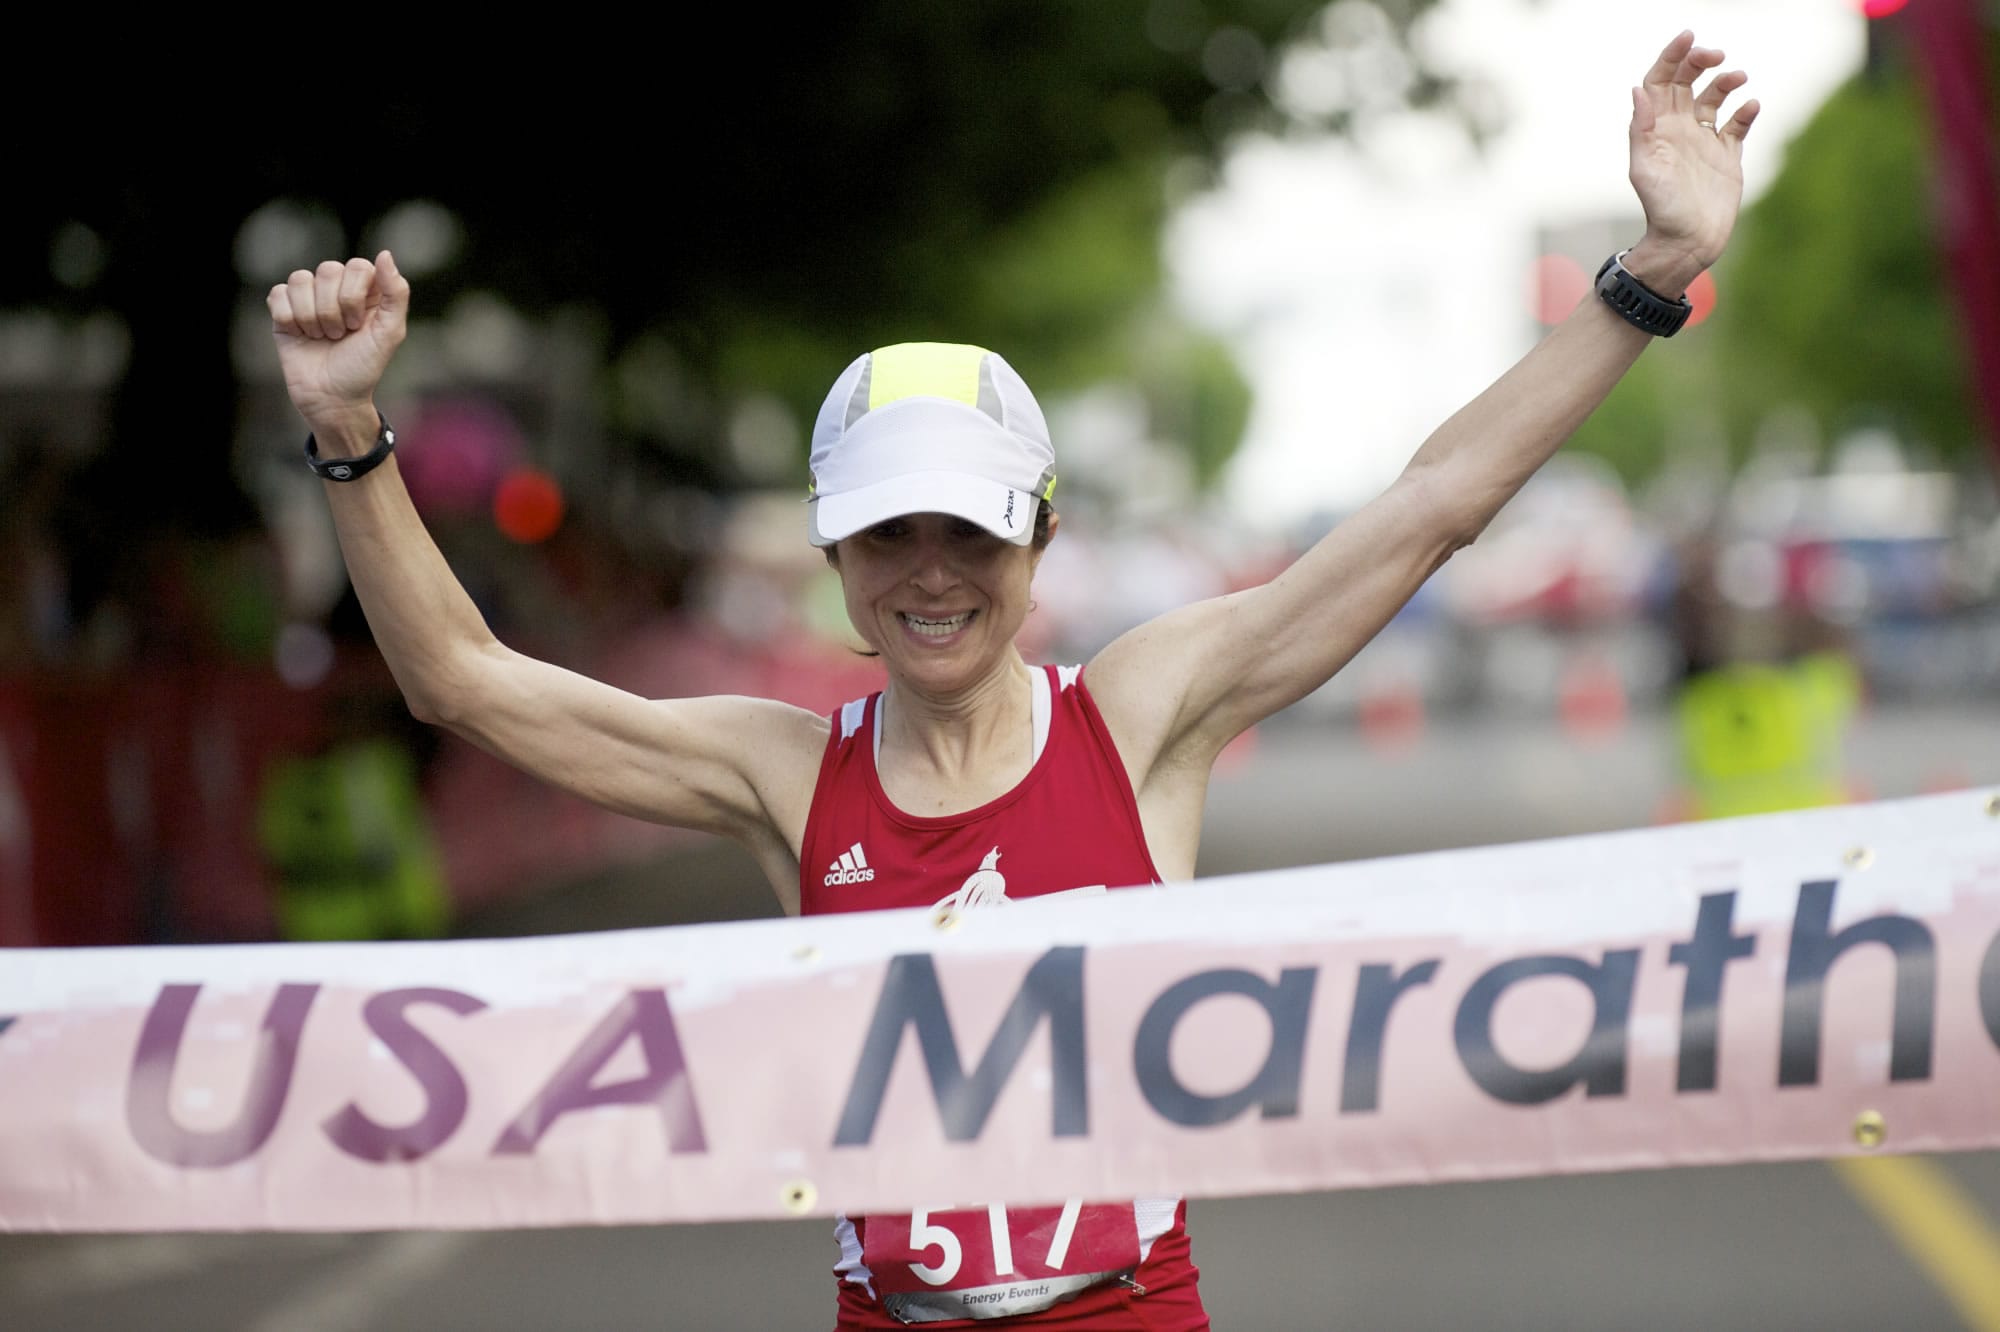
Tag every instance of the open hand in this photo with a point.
(336, 327)
(1687, 161)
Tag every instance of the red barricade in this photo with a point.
(127, 804)
(17, 906)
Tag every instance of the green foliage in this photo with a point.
(1837, 296)
(1060, 282)
(1196, 394)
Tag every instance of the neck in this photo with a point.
(950, 729)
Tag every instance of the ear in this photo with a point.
(1036, 552)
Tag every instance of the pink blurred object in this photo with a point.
(1948, 43)
(452, 453)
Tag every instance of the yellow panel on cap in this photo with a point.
(925, 370)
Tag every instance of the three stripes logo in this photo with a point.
(852, 867)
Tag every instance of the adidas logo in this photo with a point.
(852, 867)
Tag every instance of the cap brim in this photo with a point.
(999, 508)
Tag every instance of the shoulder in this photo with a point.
(741, 716)
(776, 730)
(1144, 684)
(1135, 680)
(775, 746)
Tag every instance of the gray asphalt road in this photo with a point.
(1765, 1247)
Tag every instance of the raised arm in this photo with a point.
(1175, 690)
(738, 766)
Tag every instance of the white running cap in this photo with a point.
(929, 427)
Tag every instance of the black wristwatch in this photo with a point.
(1638, 304)
(352, 469)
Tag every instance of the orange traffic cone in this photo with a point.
(1591, 698)
(1392, 714)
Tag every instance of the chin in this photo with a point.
(945, 668)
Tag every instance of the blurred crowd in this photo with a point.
(200, 721)
(1581, 584)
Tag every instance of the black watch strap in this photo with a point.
(353, 469)
(1638, 304)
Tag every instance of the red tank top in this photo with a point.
(1071, 824)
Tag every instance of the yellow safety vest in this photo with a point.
(346, 838)
(1758, 738)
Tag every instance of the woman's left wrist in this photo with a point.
(1667, 270)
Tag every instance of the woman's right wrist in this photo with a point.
(346, 433)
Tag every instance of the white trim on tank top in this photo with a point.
(851, 714)
(850, 1267)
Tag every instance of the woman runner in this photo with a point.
(973, 779)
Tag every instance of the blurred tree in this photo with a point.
(1838, 296)
(1832, 295)
(744, 197)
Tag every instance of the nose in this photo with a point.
(934, 572)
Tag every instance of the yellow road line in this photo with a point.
(1937, 1224)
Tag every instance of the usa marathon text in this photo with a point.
(1052, 991)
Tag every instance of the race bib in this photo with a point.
(996, 1261)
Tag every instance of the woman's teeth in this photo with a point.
(937, 628)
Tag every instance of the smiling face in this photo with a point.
(939, 597)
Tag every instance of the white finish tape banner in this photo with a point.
(1798, 985)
